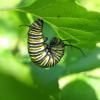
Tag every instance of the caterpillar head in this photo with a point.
(56, 42)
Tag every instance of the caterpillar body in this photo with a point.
(40, 52)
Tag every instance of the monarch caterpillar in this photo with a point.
(41, 53)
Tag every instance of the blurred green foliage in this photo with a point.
(75, 77)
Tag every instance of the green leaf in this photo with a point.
(87, 63)
(69, 20)
(78, 90)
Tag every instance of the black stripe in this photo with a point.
(49, 60)
(35, 25)
(34, 30)
(56, 57)
(45, 65)
(35, 54)
(60, 53)
(49, 63)
(53, 60)
(40, 60)
(39, 22)
(37, 28)
(37, 51)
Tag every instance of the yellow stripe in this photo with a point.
(36, 40)
(37, 58)
(44, 61)
(35, 33)
(36, 49)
